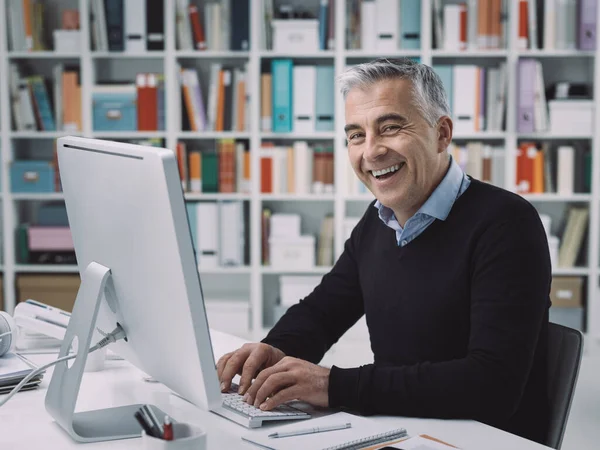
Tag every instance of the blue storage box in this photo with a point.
(32, 176)
(114, 108)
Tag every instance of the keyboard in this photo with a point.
(254, 417)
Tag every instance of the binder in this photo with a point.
(135, 26)
(464, 98)
(445, 73)
(231, 248)
(324, 102)
(207, 217)
(281, 70)
(368, 25)
(304, 98)
(240, 26)
(386, 13)
(155, 37)
(587, 24)
(410, 24)
(526, 97)
(114, 25)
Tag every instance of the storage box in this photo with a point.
(54, 290)
(292, 253)
(572, 117)
(569, 317)
(566, 292)
(67, 40)
(295, 35)
(114, 108)
(32, 176)
(292, 289)
(229, 316)
(285, 225)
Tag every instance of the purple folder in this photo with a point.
(587, 24)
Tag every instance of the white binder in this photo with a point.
(135, 26)
(387, 14)
(464, 98)
(304, 102)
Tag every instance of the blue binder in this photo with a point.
(281, 70)
(410, 24)
(445, 73)
(324, 104)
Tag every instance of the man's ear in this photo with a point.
(444, 133)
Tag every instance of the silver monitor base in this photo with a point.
(88, 426)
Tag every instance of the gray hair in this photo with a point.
(427, 88)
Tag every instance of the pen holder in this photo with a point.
(185, 437)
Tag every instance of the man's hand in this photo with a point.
(246, 361)
(290, 379)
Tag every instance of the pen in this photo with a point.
(168, 429)
(153, 419)
(154, 429)
(140, 418)
(311, 430)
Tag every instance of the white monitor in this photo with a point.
(127, 216)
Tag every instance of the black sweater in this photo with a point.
(457, 318)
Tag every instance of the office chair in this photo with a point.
(565, 347)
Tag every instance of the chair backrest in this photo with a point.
(565, 347)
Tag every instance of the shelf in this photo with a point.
(359, 198)
(296, 135)
(129, 134)
(298, 197)
(375, 54)
(317, 270)
(565, 271)
(41, 134)
(224, 270)
(47, 268)
(213, 135)
(548, 136)
(43, 55)
(125, 55)
(481, 135)
(211, 54)
(556, 53)
(39, 196)
(268, 54)
(557, 197)
(215, 196)
(493, 53)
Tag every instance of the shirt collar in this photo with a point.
(442, 199)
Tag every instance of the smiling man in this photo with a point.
(453, 275)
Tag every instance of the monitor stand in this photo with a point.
(88, 426)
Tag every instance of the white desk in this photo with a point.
(25, 424)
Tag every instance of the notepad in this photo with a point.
(364, 432)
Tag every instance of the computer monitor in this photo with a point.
(135, 255)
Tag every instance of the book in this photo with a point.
(362, 433)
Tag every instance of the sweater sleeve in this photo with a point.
(510, 285)
(309, 328)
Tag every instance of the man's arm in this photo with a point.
(309, 328)
(510, 285)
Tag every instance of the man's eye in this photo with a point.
(390, 128)
(354, 136)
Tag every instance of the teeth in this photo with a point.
(378, 173)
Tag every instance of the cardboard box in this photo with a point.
(292, 253)
(572, 117)
(32, 176)
(54, 290)
(566, 292)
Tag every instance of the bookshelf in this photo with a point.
(257, 283)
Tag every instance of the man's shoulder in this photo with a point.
(497, 203)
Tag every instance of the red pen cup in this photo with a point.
(185, 437)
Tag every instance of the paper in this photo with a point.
(421, 443)
(362, 429)
(11, 366)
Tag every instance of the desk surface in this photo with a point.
(25, 424)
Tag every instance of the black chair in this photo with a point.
(565, 347)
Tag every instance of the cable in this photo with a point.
(5, 334)
(114, 336)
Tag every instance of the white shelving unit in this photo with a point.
(339, 203)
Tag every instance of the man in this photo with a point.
(452, 274)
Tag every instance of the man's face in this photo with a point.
(392, 148)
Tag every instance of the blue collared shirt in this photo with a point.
(437, 206)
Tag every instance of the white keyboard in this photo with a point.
(233, 401)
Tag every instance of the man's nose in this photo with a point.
(373, 148)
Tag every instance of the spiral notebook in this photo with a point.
(363, 433)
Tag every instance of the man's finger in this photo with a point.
(251, 367)
(260, 379)
(232, 367)
(283, 396)
(221, 363)
(273, 384)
